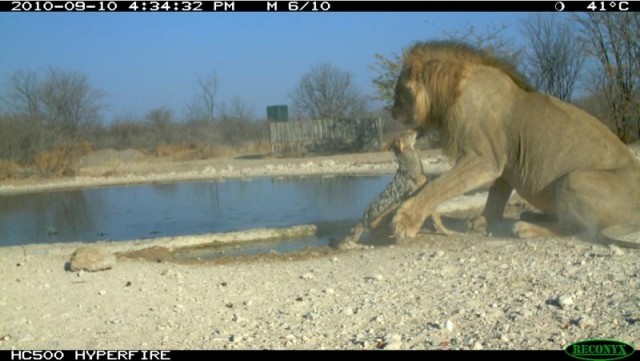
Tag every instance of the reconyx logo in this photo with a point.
(599, 349)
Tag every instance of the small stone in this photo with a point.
(168, 272)
(438, 253)
(310, 316)
(448, 325)
(615, 250)
(392, 342)
(307, 276)
(477, 346)
(584, 322)
(102, 292)
(91, 259)
(348, 311)
(329, 291)
(565, 301)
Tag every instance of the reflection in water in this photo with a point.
(48, 217)
(159, 210)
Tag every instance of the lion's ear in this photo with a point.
(416, 69)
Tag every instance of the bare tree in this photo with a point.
(161, 120)
(48, 110)
(237, 110)
(555, 57)
(68, 100)
(492, 39)
(204, 106)
(23, 94)
(160, 117)
(326, 92)
(205, 103)
(614, 40)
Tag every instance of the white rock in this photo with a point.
(392, 342)
(448, 325)
(615, 250)
(565, 301)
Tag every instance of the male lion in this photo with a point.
(503, 133)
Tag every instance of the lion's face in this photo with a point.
(409, 105)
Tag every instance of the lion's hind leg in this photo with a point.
(587, 201)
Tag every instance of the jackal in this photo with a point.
(408, 178)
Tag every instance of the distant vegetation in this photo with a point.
(49, 119)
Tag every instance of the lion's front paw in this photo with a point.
(406, 223)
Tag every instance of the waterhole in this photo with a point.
(333, 203)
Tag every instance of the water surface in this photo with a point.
(160, 210)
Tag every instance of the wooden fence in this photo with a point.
(325, 135)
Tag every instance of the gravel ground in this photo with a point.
(435, 293)
(461, 292)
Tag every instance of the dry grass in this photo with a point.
(10, 170)
(61, 161)
(182, 152)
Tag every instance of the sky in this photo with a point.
(143, 61)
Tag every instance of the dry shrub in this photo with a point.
(62, 160)
(113, 167)
(84, 148)
(10, 170)
(254, 147)
(182, 152)
(172, 150)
